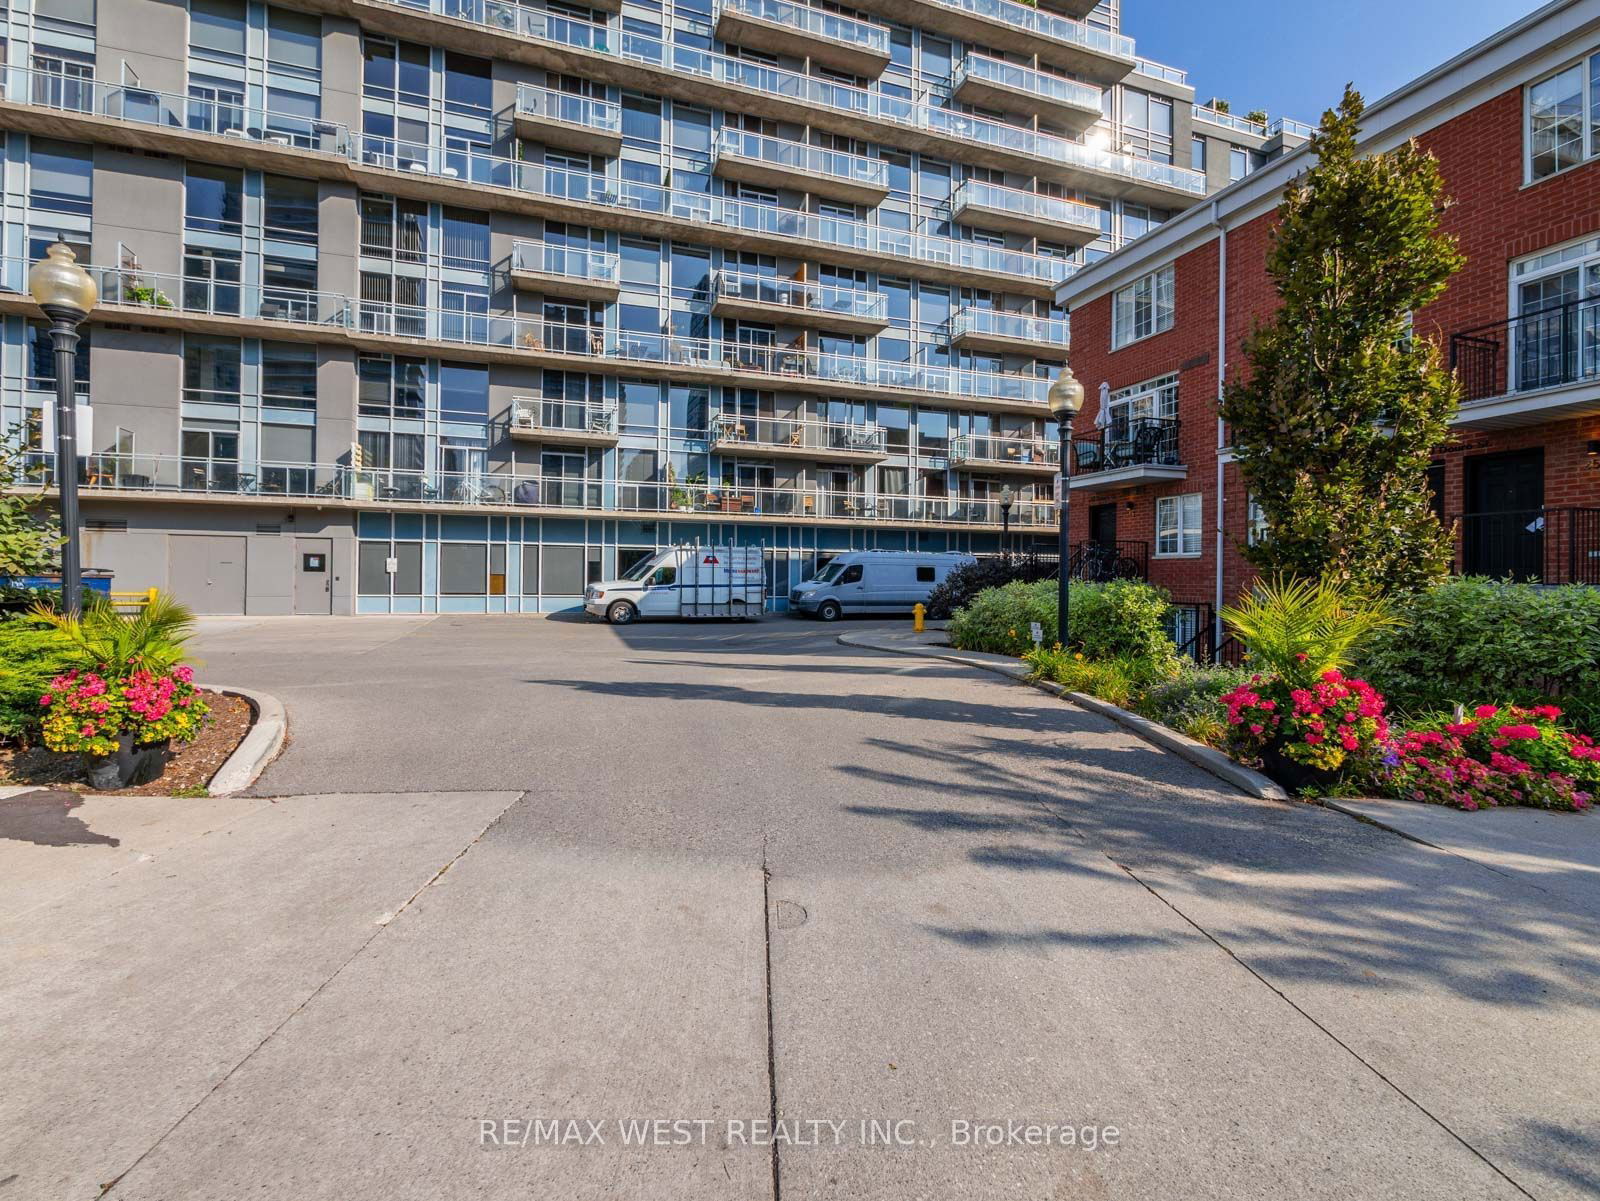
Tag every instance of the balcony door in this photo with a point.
(1557, 330)
(1503, 523)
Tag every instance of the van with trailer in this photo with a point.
(685, 582)
(874, 581)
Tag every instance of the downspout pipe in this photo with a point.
(1222, 433)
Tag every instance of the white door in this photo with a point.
(661, 592)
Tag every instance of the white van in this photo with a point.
(685, 582)
(874, 581)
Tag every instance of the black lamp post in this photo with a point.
(66, 293)
(1006, 497)
(1066, 399)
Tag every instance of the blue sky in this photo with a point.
(1293, 58)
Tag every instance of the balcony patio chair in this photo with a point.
(1091, 456)
(1148, 445)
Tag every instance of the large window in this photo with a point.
(463, 392)
(217, 30)
(1564, 118)
(42, 358)
(1556, 332)
(213, 198)
(1145, 307)
(289, 375)
(294, 41)
(211, 369)
(1178, 525)
(60, 176)
(466, 239)
(289, 208)
(391, 387)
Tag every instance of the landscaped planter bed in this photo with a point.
(188, 770)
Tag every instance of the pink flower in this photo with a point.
(46, 699)
(1486, 710)
(1519, 733)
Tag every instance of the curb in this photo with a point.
(1207, 759)
(259, 747)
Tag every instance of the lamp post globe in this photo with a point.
(1066, 401)
(67, 294)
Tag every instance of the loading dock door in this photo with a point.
(206, 572)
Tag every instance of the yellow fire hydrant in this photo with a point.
(917, 612)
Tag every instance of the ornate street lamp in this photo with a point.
(1006, 498)
(66, 293)
(1066, 399)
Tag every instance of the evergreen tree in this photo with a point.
(29, 535)
(1341, 406)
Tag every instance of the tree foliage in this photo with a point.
(29, 534)
(1342, 405)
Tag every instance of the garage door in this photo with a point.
(206, 571)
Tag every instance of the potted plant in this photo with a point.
(1299, 715)
(127, 695)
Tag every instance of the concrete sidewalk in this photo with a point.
(1558, 853)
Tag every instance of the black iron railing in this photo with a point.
(1542, 546)
(1131, 443)
(1201, 637)
(1102, 561)
(1544, 349)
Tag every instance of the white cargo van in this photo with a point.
(685, 582)
(874, 581)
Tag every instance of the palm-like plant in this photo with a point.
(1301, 628)
(104, 640)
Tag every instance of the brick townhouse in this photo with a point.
(1515, 124)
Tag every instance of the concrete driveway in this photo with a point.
(516, 882)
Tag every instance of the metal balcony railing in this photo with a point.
(732, 431)
(1050, 334)
(980, 450)
(1232, 121)
(1034, 205)
(816, 23)
(592, 266)
(1136, 442)
(368, 484)
(797, 156)
(1543, 546)
(1045, 25)
(1155, 70)
(980, 67)
(800, 294)
(599, 115)
(540, 413)
(1550, 348)
(170, 110)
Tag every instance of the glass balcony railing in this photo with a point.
(981, 194)
(161, 292)
(540, 414)
(1212, 116)
(801, 294)
(980, 68)
(515, 19)
(1155, 70)
(808, 160)
(1049, 334)
(1045, 25)
(980, 450)
(580, 111)
(814, 22)
(167, 110)
(1290, 128)
(735, 431)
(179, 475)
(572, 262)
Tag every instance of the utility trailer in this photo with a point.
(685, 582)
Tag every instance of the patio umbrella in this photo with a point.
(1102, 417)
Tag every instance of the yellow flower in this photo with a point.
(1078, 655)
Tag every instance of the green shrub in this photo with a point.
(997, 619)
(1123, 618)
(965, 582)
(1192, 697)
(1477, 641)
(1302, 628)
(31, 655)
(1119, 680)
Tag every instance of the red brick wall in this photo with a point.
(1495, 218)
